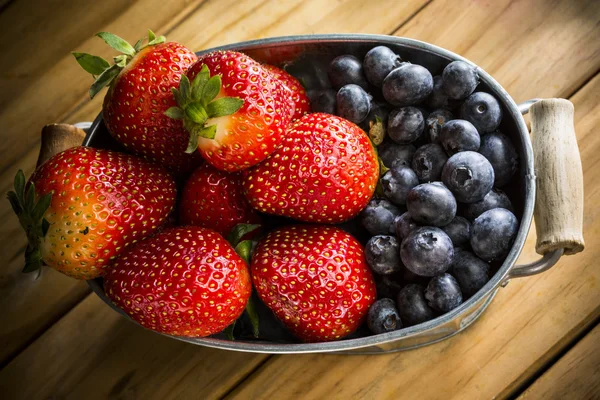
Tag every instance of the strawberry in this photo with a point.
(92, 204)
(140, 92)
(315, 279)
(183, 281)
(297, 93)
(325, 171)
(213, 199)
(235, 110)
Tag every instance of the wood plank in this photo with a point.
(40, 38)
(264, 19)
(27, 305)
(532, 48)
(576, 375)
(529, 322)
(94, 353)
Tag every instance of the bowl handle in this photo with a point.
(60, 137)
(559, 184)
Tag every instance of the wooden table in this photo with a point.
(538, 339)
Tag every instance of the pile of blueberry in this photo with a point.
(439, 218)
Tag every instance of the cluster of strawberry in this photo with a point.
(240, 137)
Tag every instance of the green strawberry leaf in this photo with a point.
(20, 183)
(175, 113)
(13, 198)
(121, 60)
(46, 226)
(104, 80)
(185, 87)
(211, 89)
(42, 206)
(253, 314)
(239, 231)
(196, 113)
(153, 39)
(93, 64)
(199, 83)
(244, 250)
(208, 132)
(117, 43)
(179, 98)
(229, 331)
(138, 45)
(224, 106)
(30, 198)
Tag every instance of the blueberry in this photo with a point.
(427, 251)
(404, 224)
(394, 155)
(443, 293)
(471, 272)
(428, 162)
(501, 153)
(439, 98)
(405, 124)
(383, 317)
(353, 103)
(459, 135)
(434, 123)
(378, 216)
(322, 100)
(431, 204)
(468, 175)
(459, 79)
(407, 85)
(482, 110)
(397, 182)
(345, 70)
(459, 231)
(493, 233)
(412, 305)
(495, 198)
(379, 111)
(382, 253)
(387, 285)
(378, 63)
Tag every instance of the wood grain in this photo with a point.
(35, 37)
(533, 48)
(559, 179)
(94, 353)
(243, 21)
(28, 305)
(575, 376)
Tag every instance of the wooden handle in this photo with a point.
(559, 200)
(57, 138)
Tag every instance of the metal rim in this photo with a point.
(477, 299)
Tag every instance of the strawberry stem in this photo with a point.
(197, 104)
(30, 210)
(104, 73)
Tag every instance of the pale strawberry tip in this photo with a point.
(197, 104)
(104, 73)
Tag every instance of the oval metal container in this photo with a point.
(310, 54)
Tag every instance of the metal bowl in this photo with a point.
(312, 53)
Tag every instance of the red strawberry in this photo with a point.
(94, 203)
(297, 92)
(140, 93)
(326, 170)
(315, 279)
(213, 199)
(183, 282)
(238, 116)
